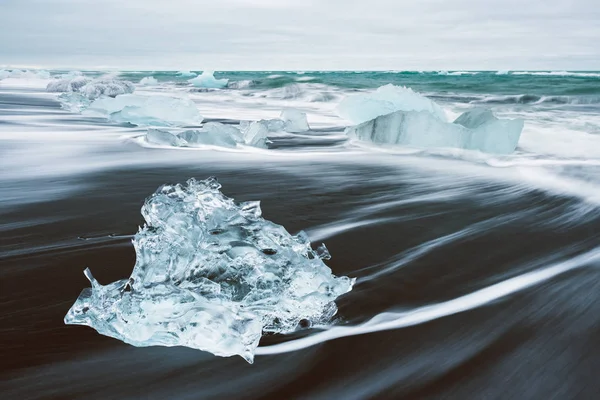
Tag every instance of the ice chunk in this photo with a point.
(4, 74)
(255, 134)
(207, 80)
(212, 133)
(162, 137)
(146, 110)
(294, 120)
(106, 87)
(364, 107)
(474, 130)
(69, 84)
(211, 275)
(186, 73)
(148, 81)
(74, 102)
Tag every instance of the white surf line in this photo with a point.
(390, 320)
(335, 228)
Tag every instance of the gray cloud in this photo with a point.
(301, 34)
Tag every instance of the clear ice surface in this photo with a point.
(212, 275)
(364, 107)
(208, 81)
(146, 110)
(476, 129)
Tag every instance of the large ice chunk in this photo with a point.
(364, 107)
(146, 110)
(207, 80)
(474, 130)
(212, 275)
(295, 121)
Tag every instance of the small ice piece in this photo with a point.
(295, 121)
(256, 134)
(474, 130)
(186, 74)
(69, 84)
(212, 275)
(4, 74)
(364, 107)
(207, 80)
(147, 110)
(148, 81)
(165, 138)
(73, 102)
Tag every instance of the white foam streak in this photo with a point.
(479, 298)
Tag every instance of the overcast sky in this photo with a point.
(301, 34)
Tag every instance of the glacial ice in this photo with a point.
(106, 87)
(294, 120)
(256, 133)
(364, 107)
(146, 110)
(476, 129)
(148, 81)
(186, 74)
(90, 89)
(208, 81)
(211, 275)
(211, 133)
(69, 84)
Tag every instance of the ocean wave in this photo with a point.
(538, 99)
(558, 73)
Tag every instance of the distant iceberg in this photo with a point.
(476, 129)
(148, 81)
(146, 110)
(212, 275)
(364, 107)
(208, 81)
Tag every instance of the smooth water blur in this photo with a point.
(477, 275)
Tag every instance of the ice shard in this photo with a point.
(474, 130)
(208, 81)
(212, 275)
(364, 107)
